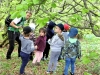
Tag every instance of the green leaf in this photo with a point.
(53, 15)
(86, 73)
(53, 5)
(15, 14)
(84, 11)
(86, 60)
(96, 27)
(36, 1)
(24, 2)
(22, 13)
(93, 55)
(19, 7)
(42, 21)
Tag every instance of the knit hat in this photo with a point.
(73, 32)
(51, 24)
(32, 26)
(27, 30)
(66, 27)
(60, 26)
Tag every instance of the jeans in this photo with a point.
(25, 59)
(68, 62)
(12, 36)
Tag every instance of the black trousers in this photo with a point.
(46, 51)
(12, 36)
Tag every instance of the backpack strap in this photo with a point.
(20, 20)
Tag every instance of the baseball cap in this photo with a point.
(66, 27)
(27, 30)
(60, 26)
(73, 32)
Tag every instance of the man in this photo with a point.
(13, 33)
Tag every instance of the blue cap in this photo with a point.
(73, 32)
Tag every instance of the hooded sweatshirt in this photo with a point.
(27, 46)
(50, 31)
(56, 43)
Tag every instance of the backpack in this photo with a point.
(8, 20)
(71, 50)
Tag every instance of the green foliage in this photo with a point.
(86, 73)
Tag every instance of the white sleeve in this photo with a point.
(16, 20)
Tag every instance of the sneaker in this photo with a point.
(49, 72)
(23, 74)
(71, 73)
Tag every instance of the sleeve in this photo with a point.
(52, 40)
(37, 41)
(64, 49)
(20, 37)
(30, 47)
(16, 20)
(32, 37)
(79, 50)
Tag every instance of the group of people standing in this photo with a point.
(53, 38)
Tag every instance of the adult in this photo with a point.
(13, 33)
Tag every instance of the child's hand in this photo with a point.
(34, 51)
(35, 47)
(79, 59)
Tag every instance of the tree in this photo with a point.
(83, 14)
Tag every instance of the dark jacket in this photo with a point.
(50, 31)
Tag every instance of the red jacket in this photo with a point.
(41, 43)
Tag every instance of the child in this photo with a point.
(65, 34)
(41, 44)
(56, 43)
(27, 46)
(72, 51)
(49, 35)
(32, 37)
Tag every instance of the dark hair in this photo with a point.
(42, 29)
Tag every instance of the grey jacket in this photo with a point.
(27, 46)
(56, 43)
